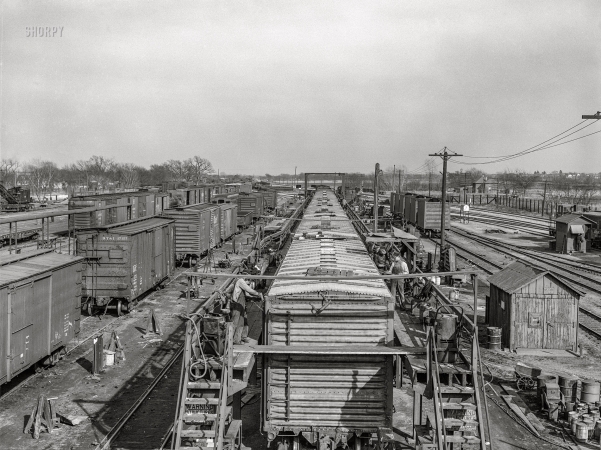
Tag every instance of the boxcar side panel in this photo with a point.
(4, 333)
(41, 318)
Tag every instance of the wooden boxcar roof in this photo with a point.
(136, 226)
(335, 248)
(517, 275)
(20, 267)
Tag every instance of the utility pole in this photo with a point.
(429, 184)
(376, 189)
(544, 198)
(445, 155)
(393, 172)
(399, 188)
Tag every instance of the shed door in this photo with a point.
(529, 325)
(560, 323)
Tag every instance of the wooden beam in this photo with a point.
(329, 350)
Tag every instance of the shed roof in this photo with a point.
(569, 218)
(517, 275)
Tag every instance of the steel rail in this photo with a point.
(108, 439)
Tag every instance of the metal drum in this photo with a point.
(568, 385)
(581, 432)
(494, 338)
(590, 391)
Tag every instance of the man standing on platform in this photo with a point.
(398, 267)
(238, 309)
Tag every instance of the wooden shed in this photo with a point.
(534, 308)
(574, 233)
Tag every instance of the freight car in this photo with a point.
(197, 230)
(229, 220)
(40, 308)
(191, 195)
(128, 206)
(429, 211)
(124, 261)
(253, 203)
(327, 399)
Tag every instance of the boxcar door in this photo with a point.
(21, 327)
(159, 273)
(560, 323)
(529, 325)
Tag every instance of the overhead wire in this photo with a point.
(535, 148)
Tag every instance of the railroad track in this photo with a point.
(509, 224)
(588, 320)
(590, 280)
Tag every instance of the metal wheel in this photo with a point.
(521, 384)
(119, 308)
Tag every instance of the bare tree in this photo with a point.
(41, 177)
(177, 169)
(129, 175)
(8, 171)
(198, 168)
(522, 181)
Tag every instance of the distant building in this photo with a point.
(485, 185)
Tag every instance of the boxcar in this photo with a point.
(429, 215)
(124, 261)
(161, 202)
(251, 203)
(270, 199)
(214, 223)
(191, 195)
(406, 208)
(229, 220)
(40, 308)
(194, 230)
(346, 398)
(244, 220)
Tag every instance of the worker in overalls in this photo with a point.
(398, 267)
(380, 259)
(238, 309)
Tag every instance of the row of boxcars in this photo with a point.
(40, 308)
(419, 210)
(327, 397)
(128, 206)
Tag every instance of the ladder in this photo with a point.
(457, 420)
(203, 420)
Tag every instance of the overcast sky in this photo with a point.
(264, 86)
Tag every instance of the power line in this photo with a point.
(537, 145)
(534, 149)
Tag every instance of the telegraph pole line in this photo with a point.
(445, 155)
(376, 189)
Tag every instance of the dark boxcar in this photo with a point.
(407, 206)
(214, 223)
(229, 220)
(125, 260)
(348, 396)
(244, 220)
(90, 219)
(193, 229)
(251, 203)
(40, 308)
(429, 212)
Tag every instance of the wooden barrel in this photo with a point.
(590, 427)
(542, 381)
(591, 390)
(581, 432)
(568, 385)
(494, 338)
